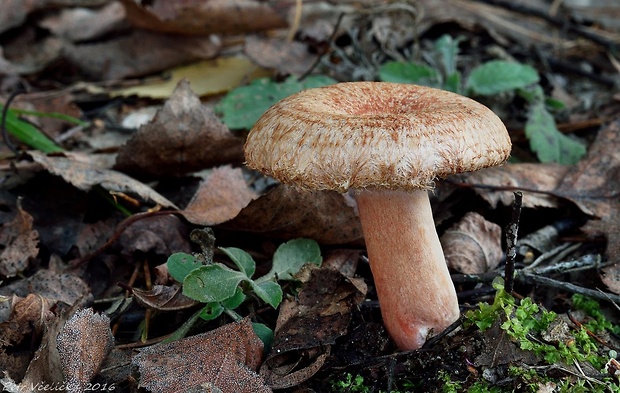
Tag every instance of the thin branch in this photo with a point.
(511, 241)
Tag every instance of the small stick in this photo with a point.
(511, 242)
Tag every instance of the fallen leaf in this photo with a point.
(224, 357)
(525, 176)
(207, 77)
(499, 349)
(219, 198)
(204, 17)
(139, 53)
(19, 242)
(26, 320)
(83, 344)
(29, 54)
(163, 298)
(159, 235)
(84, 176)
(307, 327)
(593, 186)
(473, 245)
(14, 12)
(184, 136)
(287, 57)
(81, 24)
(285, 212)
(55, 287)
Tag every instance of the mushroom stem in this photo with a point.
(413, 284)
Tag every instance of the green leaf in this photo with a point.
(399, 72)
(499, 76)
(453, 83)
(292, 255)
(184, 329)
(234, 301)
(212, 283)
(447, 49)
(29, 134)
(242, 259)
(264, 333)
(549, 144)
(211, 311)
(270, 292)
(242, 106)
(180, 265)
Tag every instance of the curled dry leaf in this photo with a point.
(20, 243)
(528, 176)
(287, 57)
(593, 186)
(163, 298)
(473, 245)
(184, 136)
(308, 326)
(140, 53)
(84, 176)
(158, 235)
(225, 357)
(204, 17)
(81, 24)
(325, 216)
(55, 287)
(83, 344)
(27, 319)
(219, 198)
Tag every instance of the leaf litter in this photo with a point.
(187, 160)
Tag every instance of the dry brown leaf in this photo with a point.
(14, 12)
(225, 357)
(158, 235)
(26, 319)
(505, 25)
(163, 298)
(139, 53)
(473, 245)
(285, 212)
(81, 24)
(204, 17)
(20, 243)
(28, 53)
(84, 176)
(219, 198)
(500, 349)
(55, 287)
(287, 57)
(593, 186)
(184, 136)
(307, 327)
(528, 176)
(33, 310)
(83, 344)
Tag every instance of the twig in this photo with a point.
(511, 242)
(561, 251)
(559, 22)
(126, 223)
(565, 286)
(585, 262)
(320, 57)
(591, 334)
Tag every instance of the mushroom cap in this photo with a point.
(374, 135)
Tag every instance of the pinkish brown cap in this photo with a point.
(374, 135)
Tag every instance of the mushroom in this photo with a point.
(385, 142)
